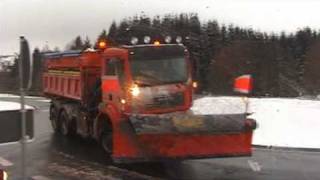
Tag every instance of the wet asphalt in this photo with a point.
(52, 157)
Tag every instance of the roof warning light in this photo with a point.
(157, 43)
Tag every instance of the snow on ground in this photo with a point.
(18, 96)
(44, 100)
(218, 105)
(281, 121)
(10, 106)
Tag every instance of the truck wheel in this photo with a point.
(106, 141)
(64, 123)
(54, 119)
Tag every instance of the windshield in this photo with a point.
(159, 71)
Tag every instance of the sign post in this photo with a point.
(16, 120)
(24, 56)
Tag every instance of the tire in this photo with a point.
(106, 138)
(106, 142)
(54, 119)
(65, 129)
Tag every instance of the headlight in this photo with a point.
(123, 101)
(194, 84)
(135, 91)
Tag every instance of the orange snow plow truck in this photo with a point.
(135, 100)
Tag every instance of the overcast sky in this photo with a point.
(56, 22)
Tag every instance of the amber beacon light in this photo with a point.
(156, 43)
(102, 45)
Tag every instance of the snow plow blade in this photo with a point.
(188, 136)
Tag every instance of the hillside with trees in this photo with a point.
(281, 64)
(284, 65)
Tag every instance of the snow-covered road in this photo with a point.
(282, 122)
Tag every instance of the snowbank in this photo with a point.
(282, 122)
(11, 106)
(17, 96)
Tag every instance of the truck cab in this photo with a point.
(147, 79)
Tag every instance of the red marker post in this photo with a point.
(243, 84)
(3, 175)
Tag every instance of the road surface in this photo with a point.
(53, 157)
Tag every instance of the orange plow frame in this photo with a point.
(154, 137)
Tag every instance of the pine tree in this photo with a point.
(224, 35)
(145, 21)
(195, 25)
(156, 22)
(87, 43)
(77, 44)
(204, 60)
(167, 24)
(112, 31)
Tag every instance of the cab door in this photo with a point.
(113, 81)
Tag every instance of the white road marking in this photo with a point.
(4, 162)
(45, 110)
(255, 166)
(39, 178)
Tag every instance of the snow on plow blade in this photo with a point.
(187, 136)
(178, 123)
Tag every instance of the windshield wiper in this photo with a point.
(139, 83)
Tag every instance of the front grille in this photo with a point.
(166, 101)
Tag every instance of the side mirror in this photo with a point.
(243, 84)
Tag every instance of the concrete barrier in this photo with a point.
(10, 122)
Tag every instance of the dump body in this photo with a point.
(136, 101)
(69, 75)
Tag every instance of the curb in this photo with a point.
(293, 149)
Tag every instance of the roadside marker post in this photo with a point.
(243, 85)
